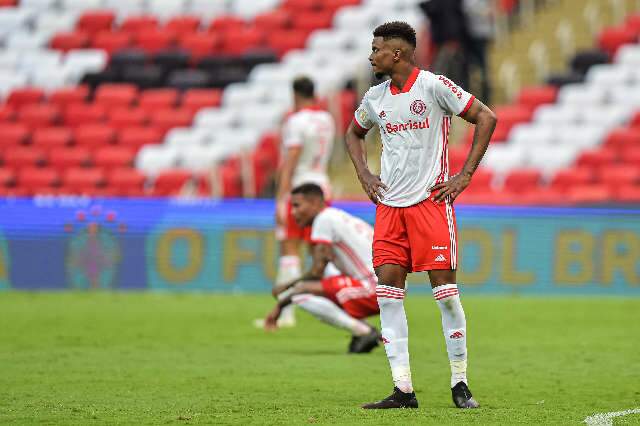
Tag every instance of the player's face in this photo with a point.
(381, 57)
(304, 209)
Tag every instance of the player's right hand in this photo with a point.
(373, 186)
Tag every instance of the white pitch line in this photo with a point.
(606, 419)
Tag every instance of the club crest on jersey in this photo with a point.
(418, 107)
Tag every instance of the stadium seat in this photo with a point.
(155, 40)
(63, 158)
(596, 157)
(532, 97)
(70, 40)
(158, 98)
(230, 175)
(522, 180)
(120, 118)
(172, 59)
(95, 21)
(166, 119)
(617, 175)
(79, 114)
(69, 95)
(482, 180)
(221, 24)
(22, 157)
(284, 40)
(138, 23)
(126, 182)
(171, 182)
(38, 116)
(136, 137)
(189, 79)
(627, 194)
(25, 96)
(589, 194)
(83, 180)
(34, 178)
(129, 57)
(52, 137)
(187, 136)
(273, 20)
(115, 95)
(94, 136)
(570, 177)
(7, 177)
(200, 44)
(630, 156)
(111, 41)
(13, 134)
(112, 157)
(183, 24)
(610, 39)
(623, 137)
(240, 40)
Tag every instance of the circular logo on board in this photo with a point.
(418, 107)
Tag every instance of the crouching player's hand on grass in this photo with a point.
(271, 321)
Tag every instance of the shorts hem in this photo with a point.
(390, 262)
(432, 267)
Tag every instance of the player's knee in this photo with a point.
(299, 299)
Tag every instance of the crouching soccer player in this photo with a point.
(341, 300)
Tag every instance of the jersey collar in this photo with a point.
(408, 84)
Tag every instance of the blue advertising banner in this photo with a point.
(204, 245)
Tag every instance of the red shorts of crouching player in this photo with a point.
(357, 300)
(421, 237)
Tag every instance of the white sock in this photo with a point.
(327, 311)
(454, 327)
(288, 270)
(395, 334)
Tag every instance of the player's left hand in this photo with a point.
(271, 321)
(452, 188)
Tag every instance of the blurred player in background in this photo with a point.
(342, 300)
(307, 141)
(415, 228)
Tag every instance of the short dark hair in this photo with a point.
(303, 86)
(308, 189)
(396, 29)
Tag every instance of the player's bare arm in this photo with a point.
(372, 185)
(305, 287)
(485, 121)
(321, 254)
(284, 180)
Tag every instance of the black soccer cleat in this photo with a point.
(364, 344)
(462, 396)
(397, 399)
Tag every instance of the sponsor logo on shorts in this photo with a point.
(441, 258)
(439, 248)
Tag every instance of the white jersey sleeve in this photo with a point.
(292, 133)
(362, 116)
(322, 231)
(451, 97)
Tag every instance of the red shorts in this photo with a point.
(356, 299)
(421, 237)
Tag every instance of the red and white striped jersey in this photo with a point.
(313, 130)
(351, 239)
(414, 126)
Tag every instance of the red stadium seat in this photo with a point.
(631, 156)
(93, 136)
(82, 180)
(284, 40)
(158, 98)
(38, 116)
(78, 114)
(541, 196)
(116, 95)
(127, 182)
(196, 99)
(627, 194)
(171, 182)
(135, 24)
(532, 97)
(200, 44)
(121, 118)
(623, 137)
(52, 137)
(457, 157)
(481, 180)
(309, 21)
(610, 39)
(240, 40)
(510, 115)
(8, 3)
(589, 194)
(12, 134)
(7, 177)
(166, 119)
(183, 24)
(522, 180)
(567, 178)
(63, 158)
(7, 113)
(25, 96)
(35, 178)
(230, 175)
(113, 157)
(278, 19)
(111, 41)
(300, 5)
(22, 157)
(69, 40)
(597, 157)
(487, 197)
(222, 24)
(69, 95)
(614, 176)
(95, 21)
(136, 137)
(155, 40)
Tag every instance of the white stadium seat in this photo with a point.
(187, 136)
(152, 159)
(580, 94)
(58, 21)
(216, 118)
(200, 158)
(80, 5)
(504, 157)
(26, 40)
(166, 9)
(531, 134)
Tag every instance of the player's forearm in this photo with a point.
(485, 124)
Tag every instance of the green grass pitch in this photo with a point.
(143, 358)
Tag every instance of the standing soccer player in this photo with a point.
(415, 228)
(307, 141)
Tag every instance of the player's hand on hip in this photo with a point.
(373, 186)
(451, 188)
